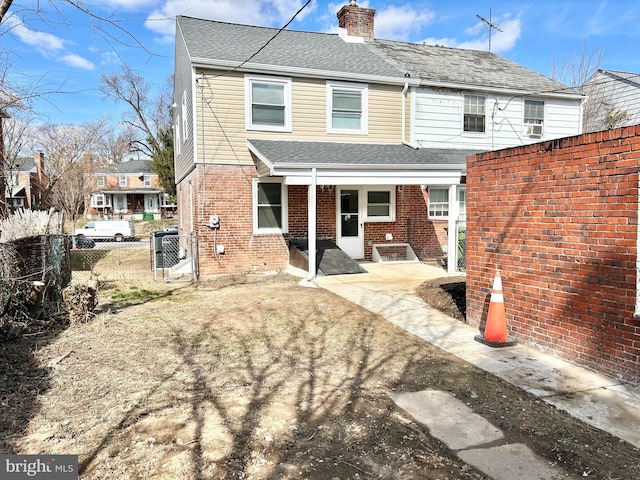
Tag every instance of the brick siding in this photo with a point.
(227, 191)
(559, 219)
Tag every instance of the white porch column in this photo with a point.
(452, 237)
(311, 214)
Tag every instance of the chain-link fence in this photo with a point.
(461, 228)
(160, 256)
(174, 257)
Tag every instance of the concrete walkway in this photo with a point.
(600, 401)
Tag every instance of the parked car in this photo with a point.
(81, 242)
(117, 230)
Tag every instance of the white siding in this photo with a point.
(183, 81)
(438, 114)
(609, 95)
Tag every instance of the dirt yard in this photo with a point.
(255, 377)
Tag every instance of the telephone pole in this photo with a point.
(490, 25)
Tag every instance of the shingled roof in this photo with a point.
(229, 45)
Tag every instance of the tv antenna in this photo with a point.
(492, 26)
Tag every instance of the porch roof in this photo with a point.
(129, 191)
(345, 163)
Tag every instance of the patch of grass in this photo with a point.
(136, 296)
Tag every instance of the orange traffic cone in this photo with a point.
(495, 332)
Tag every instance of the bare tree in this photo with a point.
(65, 147)
(148, 115)
(575, 71)
(72, 189)
(116, 146)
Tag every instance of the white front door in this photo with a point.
(151, 204)
(350, 223)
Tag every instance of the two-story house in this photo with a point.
(26, 180)
(128, 190)
(287, 136)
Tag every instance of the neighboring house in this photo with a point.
(292, 135)
(128, 190)
(26, 181)
(613, 100)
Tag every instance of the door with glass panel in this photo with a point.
(350, 223)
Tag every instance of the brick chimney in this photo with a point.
(357, 21)
(38, 159)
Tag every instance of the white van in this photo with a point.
(118, 230)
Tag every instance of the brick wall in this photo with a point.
(559, 219)
(225, 191)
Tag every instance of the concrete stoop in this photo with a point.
(474, 439)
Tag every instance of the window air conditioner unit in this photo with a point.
(534, 131)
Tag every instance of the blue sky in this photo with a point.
(66, 51)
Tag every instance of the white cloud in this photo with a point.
(401, 22)
(252, 12)
(77, 61)
(42, 41)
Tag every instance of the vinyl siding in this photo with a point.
(438, 120)
(608, 94)
(183, 81)
(221, 105)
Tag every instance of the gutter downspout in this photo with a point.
(404, 114)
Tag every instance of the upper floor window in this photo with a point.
(268, 103)
(122, 180)
(269, 207)
(347, 108)
(183, 113)
(533, 118)
(100, 180)
(147, 180)
(474, 113)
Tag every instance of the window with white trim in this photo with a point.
(183, 112)
(177, 141)
(474, 114)
(100, 180)
(122, 180)
(381, 204)
(147, 180)
(100, 200)
(439, 203)
(270, 213)
(533, 118)
(268, 103)
(347, 108)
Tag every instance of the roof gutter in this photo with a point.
(300, 72)
(509, 91)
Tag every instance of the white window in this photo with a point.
(268, 103)
(439, 203)
(474, 114)
(147, 180)
(123, 180)
(533, 118)
(100, 200)
(183, 110)
(381, 204)
(347, 108)
(270, 206)
(177, 141)
(462, 203)
(12, 180)
(100, 180)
